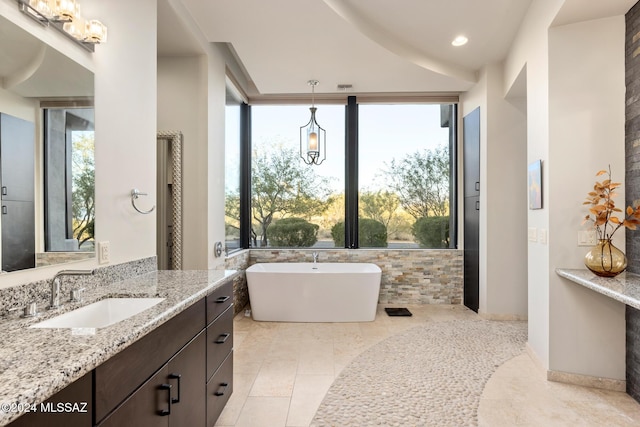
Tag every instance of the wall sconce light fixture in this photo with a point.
(64, 16)
(313, 138)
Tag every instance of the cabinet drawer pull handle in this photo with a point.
(222, 338)
(477, 186)
(220, 300)
(4, 190)
(176, 377)
(4, 210)
(165, 412)
(224, 389)
(477, 206)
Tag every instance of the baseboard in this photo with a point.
(500, 316)
(587, 381)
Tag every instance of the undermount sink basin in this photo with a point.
(100, 314)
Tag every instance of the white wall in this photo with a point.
(216, 90)
(506, 203)
(530, 50)
(125, 104)
(575, 124)
(586, 134)
(192, 99)
(181, 105)
(503, 252)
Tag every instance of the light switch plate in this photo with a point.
(586, 238)
(533, 234)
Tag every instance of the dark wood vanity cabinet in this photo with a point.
(174, 396)
(180, 374)
(70, 407)
(177, 392)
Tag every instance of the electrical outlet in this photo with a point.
(104, 257)
(542, 236)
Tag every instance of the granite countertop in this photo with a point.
(36, 363)
(624, 288)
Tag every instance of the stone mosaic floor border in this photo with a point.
(430, 375)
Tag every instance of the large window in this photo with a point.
(396, 190)
(294, 204)
(232, 171)
(69, 171)
(404, 175)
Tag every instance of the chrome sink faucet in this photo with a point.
(54, 302)
(315, 257)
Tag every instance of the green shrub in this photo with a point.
(337, 233)
(432, 231)
(293, 232)
(372, 234)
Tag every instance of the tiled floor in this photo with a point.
(283, 370)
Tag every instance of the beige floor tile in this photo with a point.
(308, 392)
(264, 412)
(242, 384)
(316, 359)
(275, 378)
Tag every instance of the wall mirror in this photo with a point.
(46, 154)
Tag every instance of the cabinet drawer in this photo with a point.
(219, 389)
(119, 376)
(219, 340)
(219, 300)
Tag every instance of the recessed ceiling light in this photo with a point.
(460, 41)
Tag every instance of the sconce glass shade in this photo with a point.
(313, 141)
(64, 10)
(76, 28)
(42, 6)
(96, 32)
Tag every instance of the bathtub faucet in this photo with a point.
(315, 257)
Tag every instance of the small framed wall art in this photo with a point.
(535, 185)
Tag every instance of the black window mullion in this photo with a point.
(351, 174)
(245, 176)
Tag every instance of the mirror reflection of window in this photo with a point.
(69, 179)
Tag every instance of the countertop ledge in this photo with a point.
(37, 363)
(624, 288)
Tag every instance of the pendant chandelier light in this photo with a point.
(313, 143)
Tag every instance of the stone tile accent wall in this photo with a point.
(239, 261)
(18, 296)
(633, 352)
(632, 187)
(409, 276)
(632, 129)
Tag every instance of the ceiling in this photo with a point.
(377, 46)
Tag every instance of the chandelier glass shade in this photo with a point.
(313, 138)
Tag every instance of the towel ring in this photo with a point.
(135, 193)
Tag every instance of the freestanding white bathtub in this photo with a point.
(308, 292)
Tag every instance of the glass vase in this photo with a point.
(605, 259)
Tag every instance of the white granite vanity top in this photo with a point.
(624, 288)
(36, 363)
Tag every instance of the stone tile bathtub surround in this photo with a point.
(239, 261)
(39, 291)
(39, 362)
(409, 276)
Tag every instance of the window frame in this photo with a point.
(351, 166)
